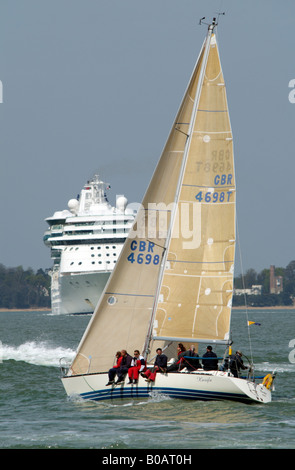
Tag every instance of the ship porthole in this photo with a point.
(112, 300)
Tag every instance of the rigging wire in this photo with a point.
(243, 283)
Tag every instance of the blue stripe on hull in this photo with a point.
(141, 392)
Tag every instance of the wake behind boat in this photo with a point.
(174, 279)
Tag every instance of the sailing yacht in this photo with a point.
(174, 279)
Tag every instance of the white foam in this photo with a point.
(37, 353)
(278, 367)
(158, 397)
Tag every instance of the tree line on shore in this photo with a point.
(266, 299)
(22, 289)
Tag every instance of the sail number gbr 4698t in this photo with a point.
(211, 195)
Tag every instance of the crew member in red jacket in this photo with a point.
(113, 370)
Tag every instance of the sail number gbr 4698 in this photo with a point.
(220, 182)
(143, 252)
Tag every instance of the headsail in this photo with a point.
(178, 276)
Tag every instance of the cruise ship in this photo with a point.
(85, 241)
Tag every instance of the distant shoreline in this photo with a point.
(44, 309)
(280, 307)
(41, 309)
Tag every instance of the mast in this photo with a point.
(181, 174)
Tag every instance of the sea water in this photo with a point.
(35, 412)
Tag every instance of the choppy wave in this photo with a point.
(277, 367)
(37, 353)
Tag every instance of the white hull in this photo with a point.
(78, 293)
(213, 385)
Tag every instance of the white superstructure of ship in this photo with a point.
(85, 242)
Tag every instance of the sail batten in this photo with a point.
(127, 293)
(191, 339)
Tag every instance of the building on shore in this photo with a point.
(275, 282)
(255, 290)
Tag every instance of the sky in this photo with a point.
(94, 86)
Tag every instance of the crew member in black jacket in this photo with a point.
(160, 365)
(122, 370)
(212, 362)
(236, 363)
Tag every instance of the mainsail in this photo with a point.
(174, 277)
(197, 285)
